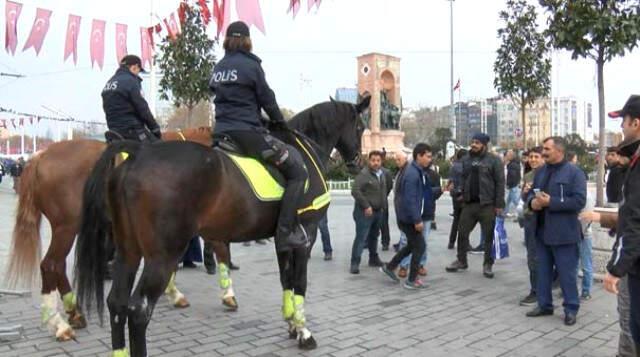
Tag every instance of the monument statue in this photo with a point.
(389, 113)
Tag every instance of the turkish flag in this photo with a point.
(204, 10)
(96, 47)
(158, 28)
(172, 26)
(222, 15)
(38, 31)
(146, 45)
(294, 7)
(249, 12)
(151, 40)
(182, 12)
(12, 13)
(313, 2)
(121, 41)
(71, 43)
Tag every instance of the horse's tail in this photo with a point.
(25, 252)
(95, 227)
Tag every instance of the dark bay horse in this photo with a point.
(164, 194)
(52, 185)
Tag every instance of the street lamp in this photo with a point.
(452, 126)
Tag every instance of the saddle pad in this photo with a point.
(264, 186)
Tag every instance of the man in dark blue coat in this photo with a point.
(413, 192)
(558, 194)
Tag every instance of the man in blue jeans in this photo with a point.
(323, 225)
(369, 192)
(512, 164)
(413, 197)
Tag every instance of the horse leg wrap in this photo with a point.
(69, 301)
(224, 279)
(173, 294)
(287, 305)
(120, 353)
(298, 316)
(51, 317)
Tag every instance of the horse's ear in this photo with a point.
(364, 104)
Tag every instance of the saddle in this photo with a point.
(111, 136)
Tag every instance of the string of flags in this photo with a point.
(33, 119)
(248, 11)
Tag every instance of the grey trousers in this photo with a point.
(626, 346)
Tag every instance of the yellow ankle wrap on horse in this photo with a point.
(120, 353)
(287, 304)
(298, 317)
(171, 286)
(69, 301)
(224, 280)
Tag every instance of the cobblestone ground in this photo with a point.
(460, 314)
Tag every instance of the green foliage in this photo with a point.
(187, 63)
(598, 29)
(522, 66)
(337, 171)
(442, 137)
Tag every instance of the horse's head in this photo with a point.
(350, 140)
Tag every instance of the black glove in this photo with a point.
(278, 125)
(156, 132)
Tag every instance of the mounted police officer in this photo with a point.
(126, 110)
(241, 93)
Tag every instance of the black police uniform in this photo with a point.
(241, 92)
(126, 110)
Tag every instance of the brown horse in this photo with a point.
(162, 195)
(52, 185)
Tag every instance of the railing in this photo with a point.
(340, 185)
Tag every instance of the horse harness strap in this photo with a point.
(322, 200)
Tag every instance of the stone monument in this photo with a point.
(379, 77)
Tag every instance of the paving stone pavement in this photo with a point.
(462, 314)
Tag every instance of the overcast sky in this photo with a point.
(305, 59)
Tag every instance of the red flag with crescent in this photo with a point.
(121, 41)
(38, 31)
(96, 47)
(249, 12)
(71, 43)
(204, 11)
(12, 13)
(146, 45)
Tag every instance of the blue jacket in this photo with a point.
(567, 187)
(241, 92)
(415, 198)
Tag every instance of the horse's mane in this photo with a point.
(321, 118)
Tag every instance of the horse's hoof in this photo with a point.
(77, 320)
(181, 303)
(293, 334)
(231, 303)
(308, 344)
(65, 335)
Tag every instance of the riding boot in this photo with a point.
(289, 233)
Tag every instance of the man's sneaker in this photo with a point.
(530, 300)
(354, 269)
(585, 297)
(375, 262)
(328, 256)
(434, 226)
(477, 250)
(402, 273)
(422, 271)
(455, 266)
(388, 272)
(396, 247)
(487, 271)
(415, 285)
(385, 248)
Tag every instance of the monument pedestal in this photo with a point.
(391, 140)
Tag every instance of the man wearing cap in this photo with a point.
(126, 110)
(240, 94)
(625, 260)
(483, 198)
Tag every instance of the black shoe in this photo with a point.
(211, 270)
(477, 250)
(396, 247)
(455, 266)
(388, 272)
(434, 226)
(529, 300)
(385, 248)
(328, 256)
(190, 265)
(233, 266)
(375, 262)
(354, 269)
(451, 246)
(487, 271)
(570, 319)
(537, 312)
